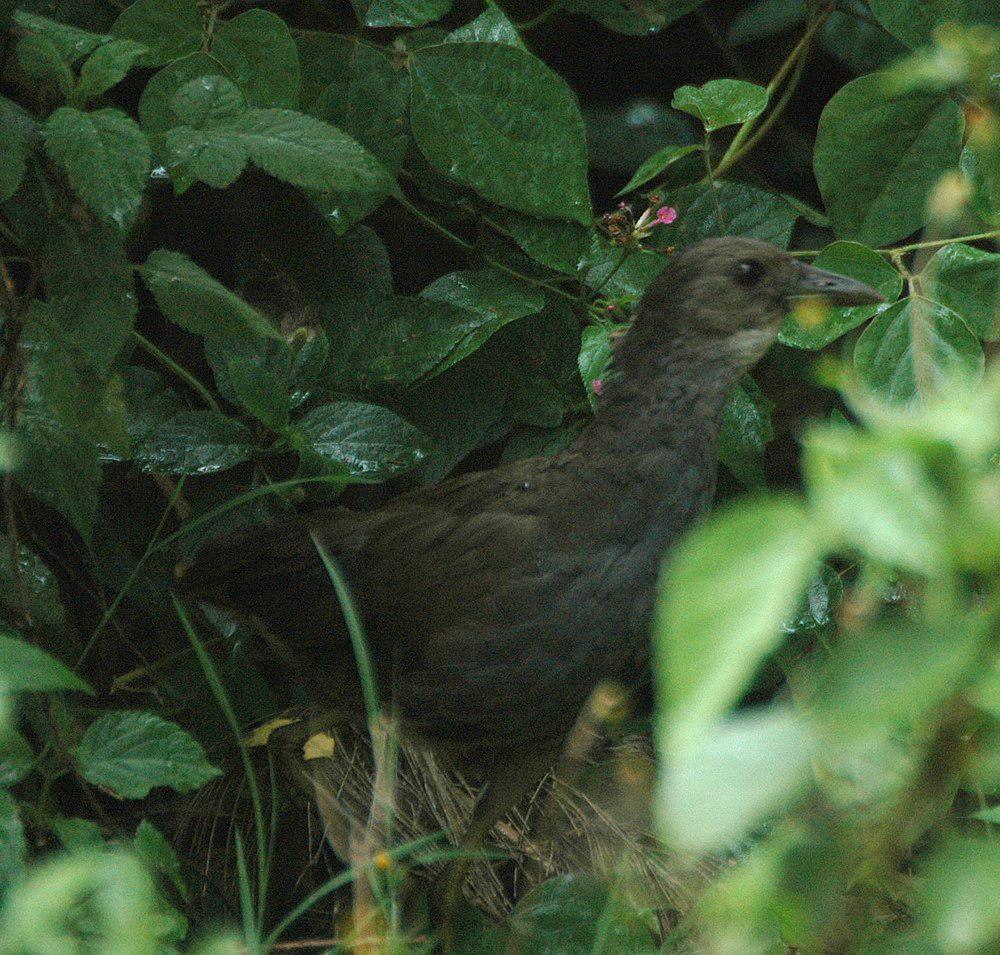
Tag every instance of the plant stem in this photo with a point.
(540, 19)
(164, 359)
(913, 246)
(737, 149)
(418, 213)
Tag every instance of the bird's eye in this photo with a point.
(749, 272)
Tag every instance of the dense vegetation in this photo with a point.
(256, 257)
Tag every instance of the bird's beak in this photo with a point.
(837, 289)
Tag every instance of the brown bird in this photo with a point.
(494, 602)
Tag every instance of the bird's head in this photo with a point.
(733, 294)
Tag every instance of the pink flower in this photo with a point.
(665, 215)
(598, 386)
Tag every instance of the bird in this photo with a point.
(494, 602)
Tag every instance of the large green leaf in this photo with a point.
(106, 158)
(400, 13)
(596, 346)
(856, 261)
(401, 340)
(90, 288)
(491, 26)
(167, 28)
(128, 752)
(193, 442)
(724, 594)
(742, 771)
(556, 243)
(960, 895)
(15, 127)
(26, 668)
(914, 21)
(877, 157)
(490, 292)
(189, 296)
(871, 495)
(107, 66)
(363, 440)
(355, 87)
(967, 280)
(58, 465)
(261, 390)
(916, 348)
(496, 118)
(71, 42)
(218, 134)
(729, 208)
(721, 103)
(41, 61)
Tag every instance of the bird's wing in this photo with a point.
(429, 572)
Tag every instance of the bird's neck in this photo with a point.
(650, 452)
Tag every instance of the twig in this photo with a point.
(893, 251)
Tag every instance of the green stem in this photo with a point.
(736, 149)
(418, 213)
(913, 246)
(164, 359)
(540, 19)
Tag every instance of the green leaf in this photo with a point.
(632, 21)
(960, 895)
(893, 675)
(764, 19)
(17, 759)
(720, 103)
(365, 440)
(400, 13)
(871, 494)
(258, 54)
(724, 594)
(491, 26)
(107, 66)
(401, 340)
(15, 128)
(555, 243)
(355, 87)
(194, 442)
(59, 466)
(71, 42)
(106, 158)
(490, 292)
(128, 752)
(984, 178)
(967, 281)
(746, 429)
(914, 21)
(77, 835)
(576, 913)
(856, 261)
(497, 119)
(916, 348)
(152, 847)
(169, 29)
(261, 391)
(878, 156)
(656, 163)
(740, 773)
(596, 347)
(41, 61)
(730, 208)
(90, 287)
(38, 585)
(219, 134)
(26, 668)
(618, 272)
(189, 296)
(13, 845)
